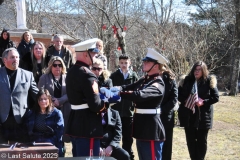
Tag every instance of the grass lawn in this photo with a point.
(223, 139)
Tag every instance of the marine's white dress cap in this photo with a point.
(88, 45)
(155, 56)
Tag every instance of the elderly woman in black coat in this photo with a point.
(197, 94)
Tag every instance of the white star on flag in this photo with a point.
(105, 99)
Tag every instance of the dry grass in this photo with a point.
(223, 139)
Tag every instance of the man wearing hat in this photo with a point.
(147, 93)
(85, 121)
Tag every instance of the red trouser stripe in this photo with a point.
(91, 146)
(152, 150)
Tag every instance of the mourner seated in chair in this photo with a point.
(112, 133)
(45, 122)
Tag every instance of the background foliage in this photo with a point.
(210, 34)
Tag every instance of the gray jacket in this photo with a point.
(18, 97)
(46, 81)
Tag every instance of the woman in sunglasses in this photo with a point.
(54, 81)
(102, 75)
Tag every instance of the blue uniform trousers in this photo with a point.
(151, 150)
(82, 146)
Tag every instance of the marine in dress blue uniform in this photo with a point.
(84, 125)
(147, 93)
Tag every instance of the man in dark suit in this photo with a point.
(112, 133)
(15, 84)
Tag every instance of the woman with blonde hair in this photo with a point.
(101, 73)
(54, 81)
(38, 64)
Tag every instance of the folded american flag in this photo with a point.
(193, 98)
(113, 99)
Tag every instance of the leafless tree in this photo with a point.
(226, 13)
(146, 23)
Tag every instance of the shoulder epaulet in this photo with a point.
(181, 80)
(213, 81)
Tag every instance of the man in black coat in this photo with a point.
(124, 76)
(112, 133)
(58, 49)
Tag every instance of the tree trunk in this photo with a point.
(235, 72)
(236, 55)
(122, 45)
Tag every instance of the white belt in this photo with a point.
(148, 111)
(81, 106)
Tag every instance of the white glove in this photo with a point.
(116, 93)
(102, 152)
(120, 99)
(115, 89)
(107, 92)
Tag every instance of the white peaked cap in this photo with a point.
(86, 45)
(155, 56)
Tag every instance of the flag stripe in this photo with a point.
(192, 99)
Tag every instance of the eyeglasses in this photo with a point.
(96, 69)
(42, 99)
(55, 65)
(197, 70)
